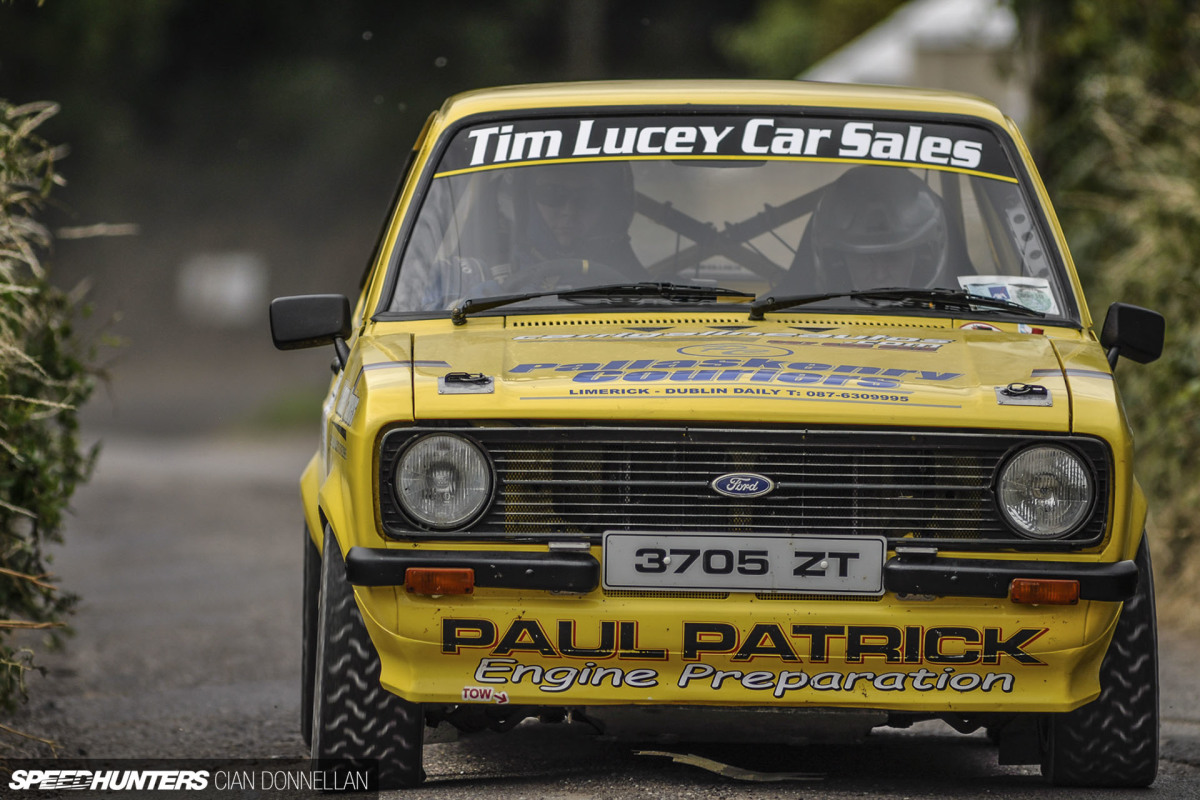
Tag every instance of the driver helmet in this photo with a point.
(575, 211)
(879, 227)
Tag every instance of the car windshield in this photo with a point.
(771, 205)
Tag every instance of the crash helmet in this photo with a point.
(599, 197)
(881, 220)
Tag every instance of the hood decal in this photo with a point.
(1073, 373)
(727, 393)
(739, 374)
(696, 370)
(405, 364)
(736, 368)
(795, 338)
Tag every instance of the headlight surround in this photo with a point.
(1045, 491)
(443, 480)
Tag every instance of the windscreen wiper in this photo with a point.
(674, 292)
(930, 298)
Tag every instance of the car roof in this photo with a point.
(745, 94)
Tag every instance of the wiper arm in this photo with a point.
(766, 304)
(675, 292)
(473, 305)
(682, 292)
(956, 298)
(934, 298)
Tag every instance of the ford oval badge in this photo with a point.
(743, 484)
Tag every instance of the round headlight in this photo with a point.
(443, 480)
(1045, 492)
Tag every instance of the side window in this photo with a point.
(405, 171)
(991, 227)
(1008, 214)
(981, 248)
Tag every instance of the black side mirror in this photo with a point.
(1133, 332)
(311, 320)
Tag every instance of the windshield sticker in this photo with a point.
(1030, 292)
(775, 137)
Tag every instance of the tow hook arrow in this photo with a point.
(501, 697)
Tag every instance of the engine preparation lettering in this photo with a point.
(702, 677)
(935, 145)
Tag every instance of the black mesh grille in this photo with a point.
(556, 482)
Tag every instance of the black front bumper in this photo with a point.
(578, 572)
(502, 569)
(972, 577)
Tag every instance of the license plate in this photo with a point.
(717, 562)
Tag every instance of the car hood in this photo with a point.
(886, 374)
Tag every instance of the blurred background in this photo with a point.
(225, 153)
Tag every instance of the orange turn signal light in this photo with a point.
(1044, 591)
(439, 580)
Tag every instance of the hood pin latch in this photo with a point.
(1023, 394)
(466, 383)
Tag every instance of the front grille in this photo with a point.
(577, 482)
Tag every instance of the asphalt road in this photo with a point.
(186, 553)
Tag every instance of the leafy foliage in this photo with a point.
(1119, 99)
(785, 37)
(43, 379)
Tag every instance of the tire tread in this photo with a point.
(1113, 740)
(353, 716)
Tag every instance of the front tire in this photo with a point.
(1113, 740)
(308, 638)
(354, 717)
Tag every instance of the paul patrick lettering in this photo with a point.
(818, 644)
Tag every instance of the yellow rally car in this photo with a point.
(721, 398)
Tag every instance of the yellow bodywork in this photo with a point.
(918, 654)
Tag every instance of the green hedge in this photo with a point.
(1117, 100)
(44, 377)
